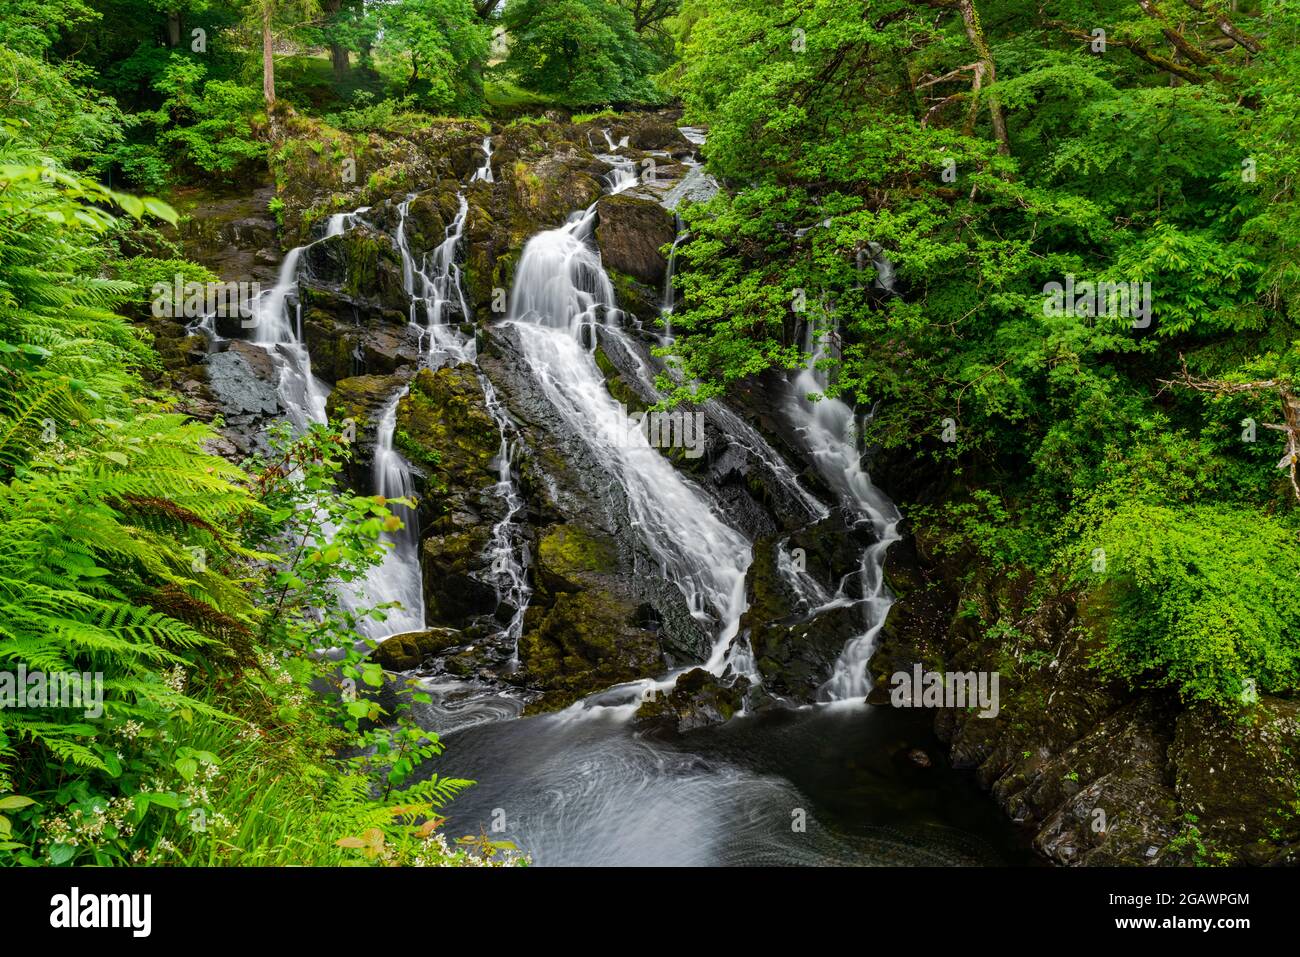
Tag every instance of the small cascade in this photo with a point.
(507, 551)
(623, 175)
(434, 285)
(277, 328)
(830, 434)
(560, 282)
(397, 579)
(438, 306)
(484, 173)
(621, 144)
(669, 300)
(340, 223)
(811, 597)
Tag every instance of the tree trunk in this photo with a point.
(975, 32)
(173, 29)
(339, 58)
(268, 58)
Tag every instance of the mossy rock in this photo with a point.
(631, 233)
(443, 425)
(361, 398)
(565, 552)
(541, 193)
(617, 385)
(795, 657)
(454, 595)
(638, 298)
(427, 217)
(582, 643)
(1240, 775)
(697, 700)
(331, 344)
(374, 267)
(407, 651)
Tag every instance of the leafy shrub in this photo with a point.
(207, 124)
(1200, 598)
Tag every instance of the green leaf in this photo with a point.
(60, 854)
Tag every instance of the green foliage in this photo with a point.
(1172, 592)
(190, 593)
(580, 51)
(31, 26)
(144, 272)
(851, 136)
(55, 106)
(445, 45)
(206, 123)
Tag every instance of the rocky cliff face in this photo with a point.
(1098, 773)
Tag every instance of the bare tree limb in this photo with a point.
(1290, 411)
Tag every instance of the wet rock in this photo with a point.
(1238, 776)
(407, 651)
(1099, 773)
(361, 399)
(640, 301)
(1104, 800)
(444, 427)
(651, 132)
(794, 653)
(697, 700)
(581, 632)
(363, 265)
(233, 234)
(454, 592)
(630, 233)
(346, 339)
(428, 216)
(919, 758)
(243, 380)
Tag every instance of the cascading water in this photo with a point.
(434, 285)
(397, 579)
(830, 434)
(506, 551)
(340, 223)
(579, 786)
(623, 175)
(560, 289)
(484, 173)
(668, 301)
(276, 326)
(278, 330)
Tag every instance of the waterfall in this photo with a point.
(560, 289)
(623, 175)
(277, 328)
(340, 223)
(830, 434)
(434, 286)
(669, 300)
(507, 553)
(484, 173)
(398, 577)
(621, 144)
